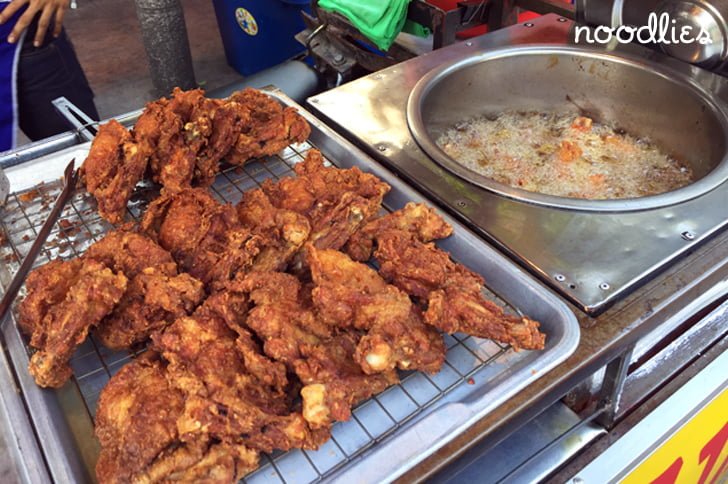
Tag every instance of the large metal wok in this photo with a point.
(680, 117)
(592, 252)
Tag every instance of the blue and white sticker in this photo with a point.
(246, 21)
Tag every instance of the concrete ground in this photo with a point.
(108, 43)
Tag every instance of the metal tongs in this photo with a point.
(70, 176)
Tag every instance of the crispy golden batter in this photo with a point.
(152, 301)
(282, 232)
(349, 293)
(415, 218)
(156, 295)
(182, 140)
(91, 294)
(453, 293)
(115, 164)
(136, 424)
(231, 394)
(265, 128)
(205, 237)
(282, 317)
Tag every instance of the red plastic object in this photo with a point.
(481, 29)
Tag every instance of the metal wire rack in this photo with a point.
(470, 361)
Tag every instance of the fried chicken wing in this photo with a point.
(349, 293)
(415, 218)
(205, 237)
(152, 301)
(114, 166)
(91, 294)
(267, 127)
(282, 232)
(156, 295)
(453, 293)
(282, 317)
(136, 424)
(227, 397)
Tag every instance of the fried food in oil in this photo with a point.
(115, 164)
(90, 293)
(415, 218)
(282, 232)
(205, 237)
(351, 294)
(136, 424)
(231, 394)
(453, 293)
(282, 317)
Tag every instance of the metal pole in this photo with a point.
(165, 40)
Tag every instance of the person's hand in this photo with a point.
(50, 10)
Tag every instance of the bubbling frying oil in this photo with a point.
(563, 155)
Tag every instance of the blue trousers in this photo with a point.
(45, 73)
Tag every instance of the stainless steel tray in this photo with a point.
(387, 435)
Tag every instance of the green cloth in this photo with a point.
(379, 20)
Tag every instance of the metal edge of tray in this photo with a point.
(504, 277)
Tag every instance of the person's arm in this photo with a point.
(51, 10)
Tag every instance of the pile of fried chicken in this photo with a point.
(264, 324)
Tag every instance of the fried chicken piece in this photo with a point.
(204, 236)
(282, 232)
(336, 202)
(131, 252)
(416, 218)
(136, 424)
(91, 293)
(453, 293)
(291, 333)
(266, 127)
(46, 287)
(349, 293)
(152, 301)
(115, 164)
(155, 295)
(229, 395)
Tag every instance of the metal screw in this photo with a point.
(378, 76)
(528, 24)
(687, 235)
(577, 480)
(382, 148)
(461, 203)
(314, 100)
(604, 286)
(560, 277)
(338, 59)
(561, 19)
(468, 43)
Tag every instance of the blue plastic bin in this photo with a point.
(258, 34)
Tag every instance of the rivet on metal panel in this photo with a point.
(604, 286)
(461, 203)
(577, 480)
(314, 100)
(560, 277)
(378, 76)
(382, 147)
(687, 235)
(528, 24)
(561, 19)
(469, 43)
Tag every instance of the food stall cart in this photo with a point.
(636, 390)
